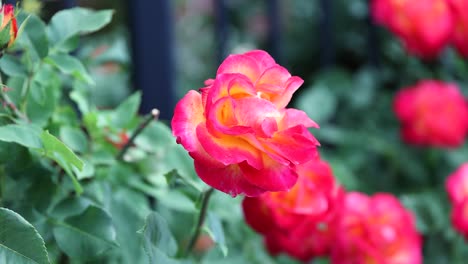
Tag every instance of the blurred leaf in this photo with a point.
(35, 36)
(71, 22)
(79, 98)
(19, 240)
(70, 65)
(24, 135)
(87, 235)
(157, 137)
(12, 66)
(128, 209)
(318, 102)
(215, 229)
(363, 93)
(157, 239)
(429, 209)
(70, 206)
(88, 170)
(38, 93)
(75, 138)
(126, 111)
(64, 156)
(5, 34)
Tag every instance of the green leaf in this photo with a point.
(318, 102)
(35, 36)
(70, 65)
(5, 35)
(38, 93)
(72, 22)
(75, 138)
(64, 156)
(126, 112)
(12, 66)
(70, 206)
(215, 229)
(24, 135)
(87, 235)
(81, 101)
(20, 243)
(157, 239)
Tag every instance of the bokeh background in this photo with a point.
(352, 69)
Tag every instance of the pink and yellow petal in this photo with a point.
(293, 117)
(262, 58)
(276, 75)
(188, 114)
(240, 64)
(229, 85)
(228, 149)
(253, 111)
(295, 144)
(291, 87)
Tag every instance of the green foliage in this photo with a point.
(19, 240)
(158, 242)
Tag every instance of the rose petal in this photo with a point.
(273, 177)
(228, 179)
(240, 64)
(295, 144)
(276, 75)
(188, 114)
(228, 149)
(229, 85)
(257, 214)
(263, 59)
(293, 117)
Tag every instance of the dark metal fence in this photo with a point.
(151, 24)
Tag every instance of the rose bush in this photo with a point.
(238, 130)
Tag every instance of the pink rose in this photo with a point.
(298, 222)
(375, 229)
(460, 33)
(432, 113)
(424, 26)
(238, 130)
(457, 189)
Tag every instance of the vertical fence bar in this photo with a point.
(327, 50)
(372, 39)
(153, 55)
(274, 30)
(69, 3)
(221, 29)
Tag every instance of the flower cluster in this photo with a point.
(238, 130)
(244, 140)
(432, 113)
(298, 222)
(457, 189)
(317, 218)
(425, 26)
